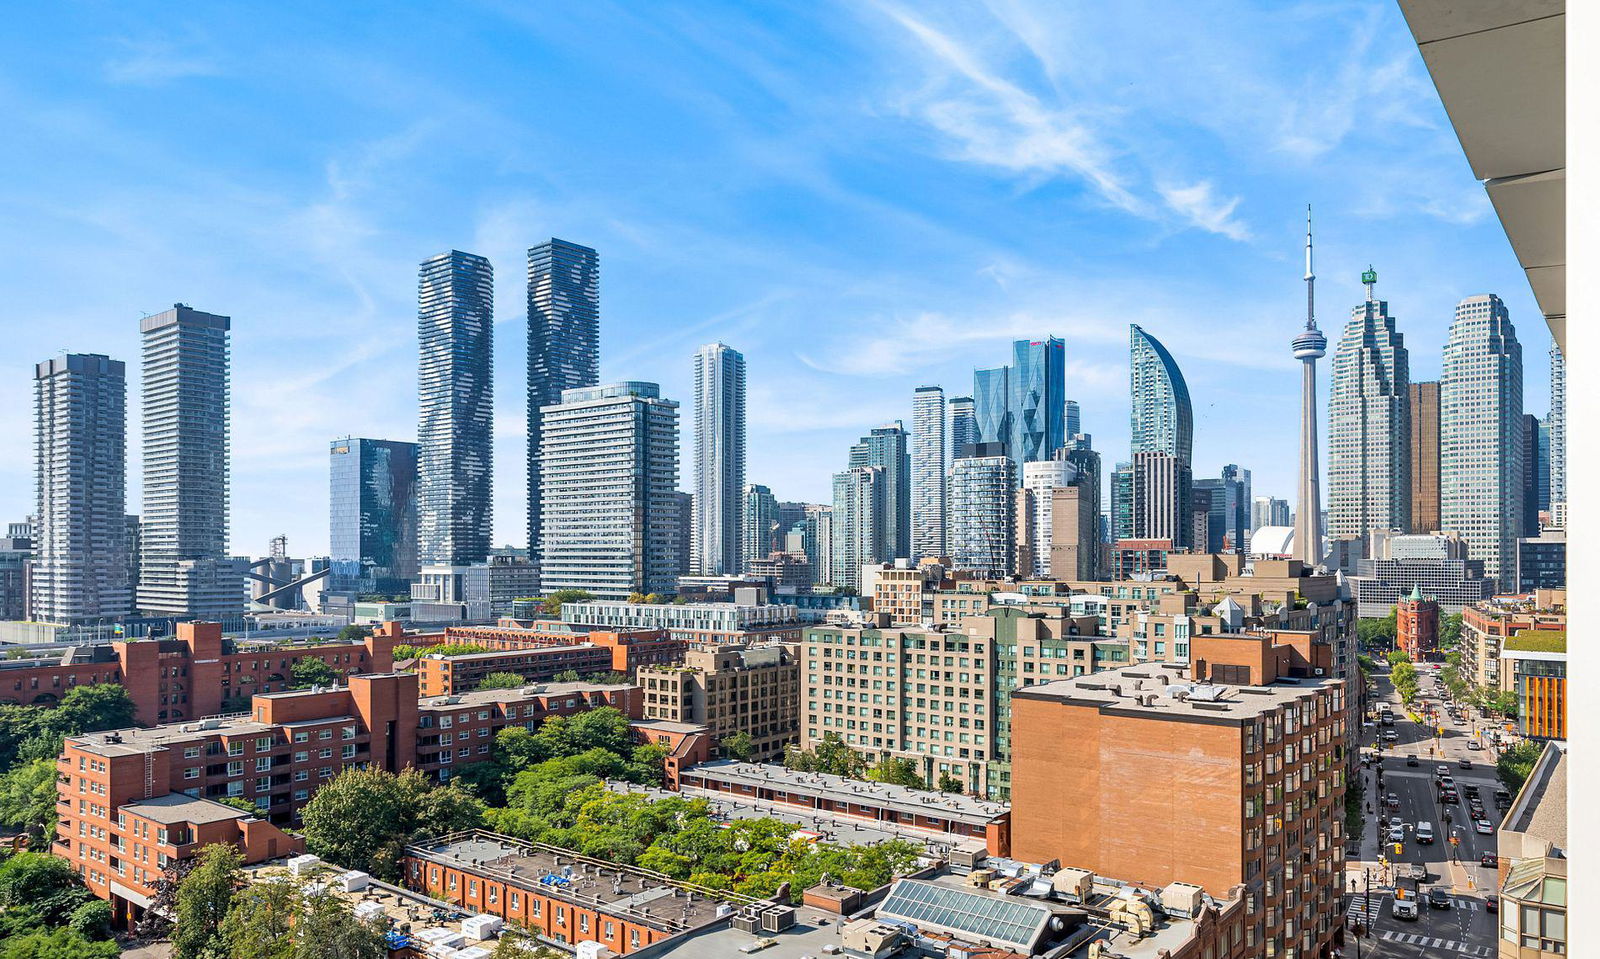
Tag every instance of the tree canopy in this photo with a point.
(502, 681)
(310, 671)
(365, 816)
(35, 732)
(1515, 765)
(553, 601)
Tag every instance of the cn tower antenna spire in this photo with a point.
(1311, 278)
(1309, 347)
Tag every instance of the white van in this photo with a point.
(1425, 832)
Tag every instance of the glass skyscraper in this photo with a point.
(455, 392)
(184, 570)
(887, 447)
(563, 342)
(80, 567)
(929, 465)
(372, 511)
(719, 460)
(963, 427)
(1161, 422)
(1369, 423)
(1557, 425)
(982, 503)
(1024, 405)
(1480, 425)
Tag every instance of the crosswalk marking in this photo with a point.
(1367, 909)
(1414, 939)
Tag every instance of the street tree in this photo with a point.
(204, 898)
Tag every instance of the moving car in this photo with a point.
(1449, 798)
(1412, 761)
(1397, 833)
(1483, 826)
(1491, 904)
(1390, 736)
(1425, 832)
(1489, 859)
(1439, 899)
(1441, 771)
(1474, 744)
(1445, 783)
(1465, 763)
(1392, 801)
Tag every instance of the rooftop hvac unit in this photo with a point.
(746, 923)
(777, 919)
(1182, 899)
(303, 865)
(1074, 882)
(367, 910)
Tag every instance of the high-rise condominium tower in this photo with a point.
(983, 487)
(718, 460)
(857, 527)
(1369, 423)
(1557, 424)
(929, 456)
(608, 464)
(455, 390)
(1161, 422)
(887, 447)
(1423, 439)
(1236, 507)
(760, 514)
(1074, 419)
(1309, 346)
(372, 511)
(80, 567)
(563, 342)
(183, 568)
(962, 427)
(1024, 405)
(1480, 424)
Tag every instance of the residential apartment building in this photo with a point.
(79, 564)
(372, 512)
(1533, 665)
(459, 729)
(702, 624)
(1532, 846)
(1023, 406)
(608, 476)
(195, 675)
(981, 509)
(1486, 626)
(902, 592)
(1154, 772)
(442, 674)
(731, 689)
(887, 448)
(760, 525)
(719, 460)
(184, 570)
(563, 349)
(455, 393)
(858, 529)
(930, 458)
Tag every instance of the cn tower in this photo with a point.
(1309, 347)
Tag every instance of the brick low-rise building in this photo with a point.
(455, 731)
(731, 689)
(444, 674)
(1157, 773)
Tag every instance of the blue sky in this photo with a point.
(863, 197)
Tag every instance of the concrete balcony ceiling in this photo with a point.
(1500, 68)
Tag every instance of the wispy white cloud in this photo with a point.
(154, 62)
(1200, 205)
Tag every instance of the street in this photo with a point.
(1466, 928)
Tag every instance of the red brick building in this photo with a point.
(1416, 623)
(196, 674)
(1160, 773)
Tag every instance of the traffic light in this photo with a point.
(1398, 849)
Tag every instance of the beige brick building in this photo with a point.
(731, 689)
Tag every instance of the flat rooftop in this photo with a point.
(1175, 695)
(135, 740)
(519, 651)
(489, 697)
(838, 788)
(632, 894)
(668, 726)
(176, 807)
(1540, 808)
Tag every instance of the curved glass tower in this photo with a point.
(1162, 420)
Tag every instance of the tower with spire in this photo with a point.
(1309, 347)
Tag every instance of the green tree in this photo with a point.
(552, 602)
(637, 598)
(57, 944)
(90, 709)
(1516, 764)
(28, 798)
(647, 765)
(1397, 657)
(311, 671)
(831, 756)
(896, 771)
(502, 681)
(950, 784)
(92, 920)
(43, 886)
(740, 745)
(365, 816)
(204, 898)
(1377, 632)
(354, 633)
(1449, 631)
(240, 803)
(325, 929)
(567, 676)
(261, 920)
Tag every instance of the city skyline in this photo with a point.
(677, 278)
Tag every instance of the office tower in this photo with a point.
(1122, 502)
(563, 342)
(1269, 511)
(1209, 500)
(184, 567)
(1369, 481)
(1557, 422)
(1424, 455)
(16, 561)
(760, 517)
(1161, 423)
(683, 516)
(1528, 437)
(983, 485)
(963, 426)
(1024, 405)
(928, 472)
(455, 392)
(372, 511)
(1309, 346)
(1236, 508)
(718, 460)
(80, 570)
(1480, 425)
(858, 524)
(608, 462)
(1073, 420)
(1541, 448)
(886, 447)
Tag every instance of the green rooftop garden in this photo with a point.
(1538, 641)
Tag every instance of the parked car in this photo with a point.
(1489, 859)
(1491, 904)
(1483, 827)
(1502, 798)
(1474, 744)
